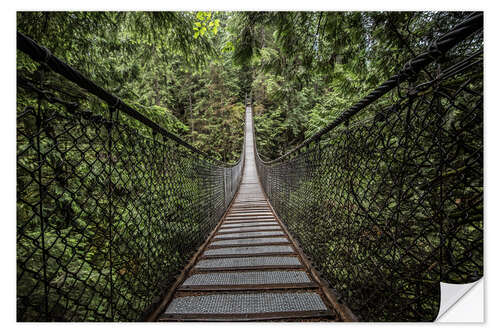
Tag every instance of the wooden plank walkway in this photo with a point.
(251, 268)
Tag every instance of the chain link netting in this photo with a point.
(389, 202)
(109, 210)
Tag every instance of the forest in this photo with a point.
(109, 210)
(191, 71)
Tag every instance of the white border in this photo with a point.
(8, 173)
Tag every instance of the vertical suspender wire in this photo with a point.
(41, 190)
(350, 218)
(151, 202)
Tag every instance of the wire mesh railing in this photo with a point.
(110, 206)
(387, 201)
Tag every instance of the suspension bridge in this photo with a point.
(251, 268)
(121, 220)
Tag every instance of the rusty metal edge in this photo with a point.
(294, 269)
(265, 224)
(246, 317)
(250, 218)
(213, 247)
(260, 211)
(239, 212)
(244, 287)
(248, 222)
(234, 216)
(286, 235)
(250, 237)
(278, 228)
(184, 293)
(250, 255)
(234, 226)
(256, 208)
(248, 268)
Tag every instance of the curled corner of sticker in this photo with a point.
(453, 300)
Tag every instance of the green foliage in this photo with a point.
(205, 24)
(153, 62)
(307, 67)
(189, 72)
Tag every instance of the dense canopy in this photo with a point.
(191, 70)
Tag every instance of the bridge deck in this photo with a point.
(250, 268)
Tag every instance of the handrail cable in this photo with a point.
(42, 55)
